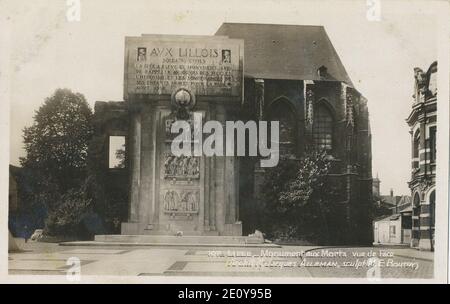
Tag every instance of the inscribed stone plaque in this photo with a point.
(159, 64)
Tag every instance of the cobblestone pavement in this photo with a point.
(288, 261)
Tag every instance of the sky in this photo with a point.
(47, 52)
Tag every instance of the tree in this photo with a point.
(298, 207)
(54, 167)
(56, 144)
(120, 155)
(70, 216)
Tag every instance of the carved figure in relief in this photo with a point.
(193, 201)
(173, 165)
(182, 166)
(171, 200)
(189, 201)
(193, 167)
(186, 201)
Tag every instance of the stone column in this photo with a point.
(146, 204)
(230, 198)
(219, 176)
(212, 193)
(259, 93)
(258, 171)
(425, 225)
(135, 144)
(415, 229)
(211, 180)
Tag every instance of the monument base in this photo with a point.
(130, 228)
(179, 240)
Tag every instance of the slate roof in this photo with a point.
(273, 51)
(391, 200)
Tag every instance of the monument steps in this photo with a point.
(185, 233)
(170, 240)
(187, 239)
(119, 244)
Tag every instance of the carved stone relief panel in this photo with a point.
(181, 201)
(181, 167)
(195, 128)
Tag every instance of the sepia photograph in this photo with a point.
(257, 141)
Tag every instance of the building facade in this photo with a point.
(394, 228)
(291, 74)
(422, 123)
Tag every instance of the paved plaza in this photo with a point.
(286, 261)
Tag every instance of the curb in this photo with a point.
(120, 244)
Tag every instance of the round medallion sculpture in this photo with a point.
(183, 101)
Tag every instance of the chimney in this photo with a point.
(392, 192)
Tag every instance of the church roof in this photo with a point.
(275, 51)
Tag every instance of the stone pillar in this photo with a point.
(230, 199)
(207, 196)
(135, 145)
(212, 193)
(147, 203)
(259, 93)
(210, 180)
(415, 232)
(259, 101)
(425, 225)
(219, 177)
(219, 200)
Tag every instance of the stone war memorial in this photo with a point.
(245, 72)
(167, 78)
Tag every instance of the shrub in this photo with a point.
(297, 207)
(68, 219)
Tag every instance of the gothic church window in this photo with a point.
(323, 127)
(281, 111)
